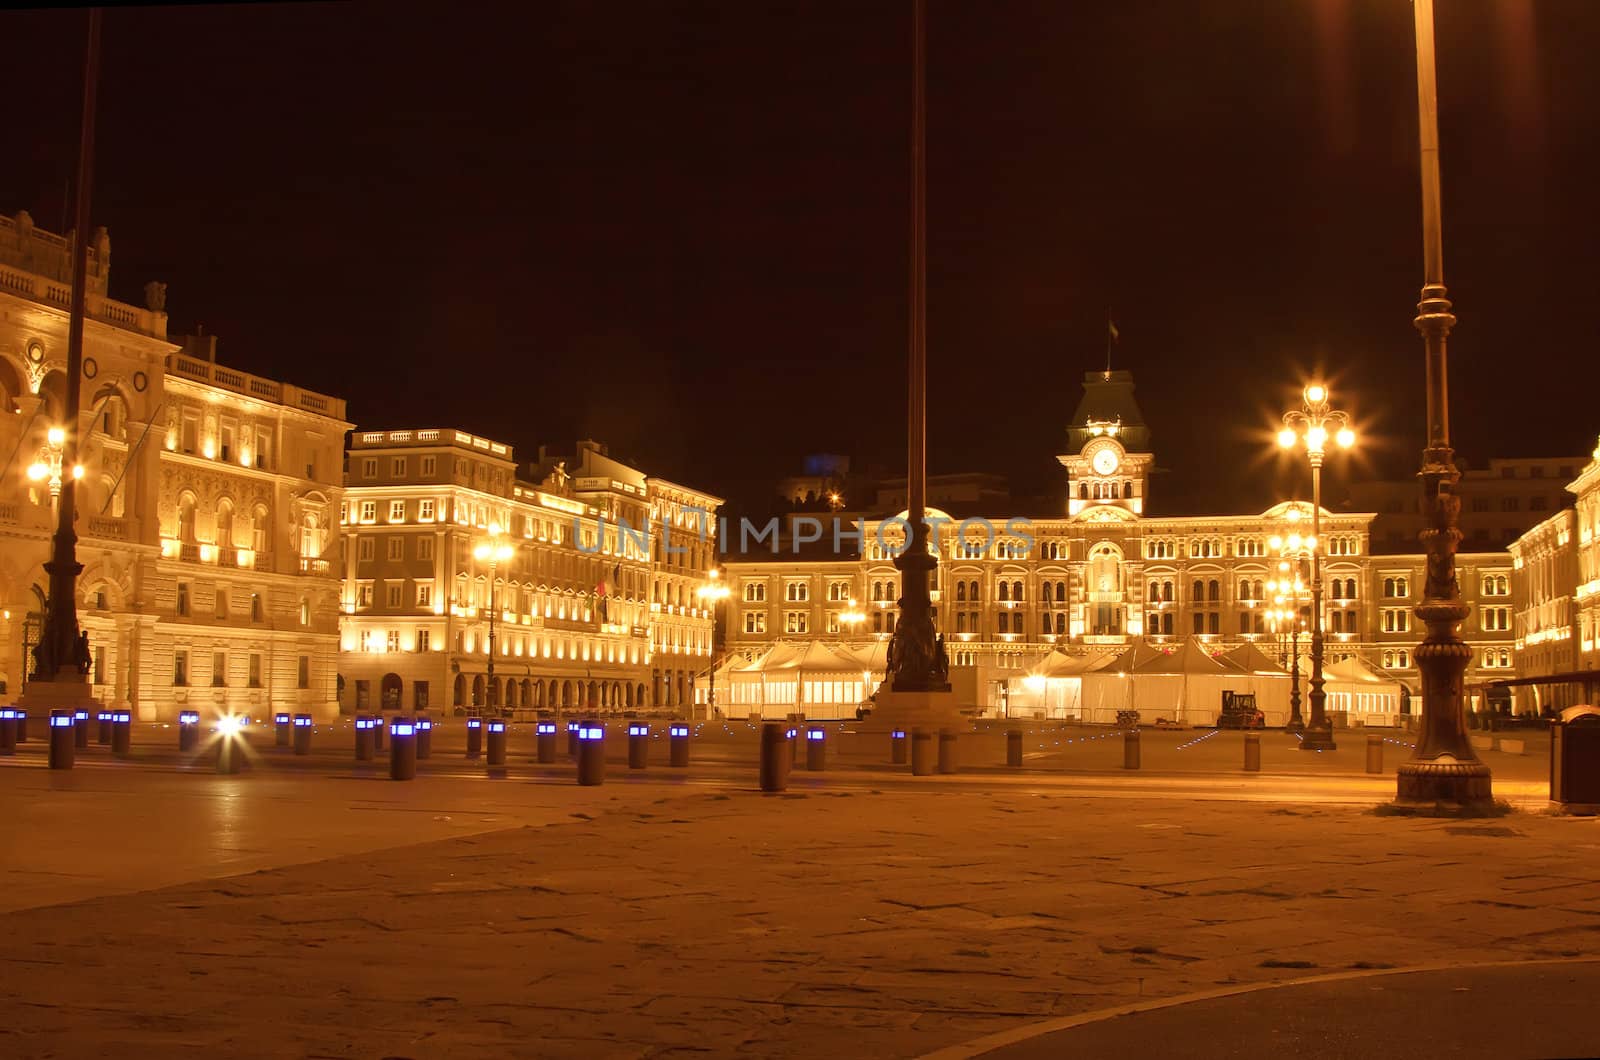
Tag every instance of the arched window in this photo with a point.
(1388, 588)
(1127, 489)
(961, 590)
(1016, 590)
(1083, 491)
(1061, 592)
(961, 621)
(1244, 588)
(1061, 622)
(1215, 590)
(186, 518)
(225, 524)
(1005, 590)
(1199, 592)
(972, 590)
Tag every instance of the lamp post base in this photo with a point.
(1318, 739)
(1445, 779)
(1295, 725)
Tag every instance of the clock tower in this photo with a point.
(1108, 476)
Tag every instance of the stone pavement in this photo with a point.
(649, 919)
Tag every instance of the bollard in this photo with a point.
(545, 741)
(102, 732)
(61, 750)
(1014, 747)
(364, 744)
(1252, 752)
(495, 757)
(424, 737)
(377, 732)
(280, 726)
(403, 749)
(1130, 749)
(474, 737)
(897, 747)
(947, 750)
(921, 753)
(8, 731)
(1374, 753)
(188, 730)
(774, 756)
(792, 735)
(638, 746)
(80, 729)
(678, 746)
(302, 734)
(22, 725)
(121, 733)
(230, 734)
(816, 749)
(572, 738)
(591, 754)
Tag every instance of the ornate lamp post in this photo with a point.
(48, 465)
(916, 662)
(494, 552)
(1289, 593)
(1443, 767)
(1313, 424)
(713, 592)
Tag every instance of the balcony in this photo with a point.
(313, 565)
(255, 386)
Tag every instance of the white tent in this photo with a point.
(1108, 686)
(816, 679)
(1054, 687)
(1363, 695)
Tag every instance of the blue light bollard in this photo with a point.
(281, 729)
(377, 732)
(572, 738)
(545, 741)
(816, 749)
(302, 734)
(8, 731)
(591, 754)
(474, 737)
(897, 747)
(364, 745)
(495, 747)
(678, 745)
(403, 749)
(102, 731)
(424, 737)
(22, 725)
(638, 746)
(188, 730)
(80, 729)
(121, 733)
(61, 748)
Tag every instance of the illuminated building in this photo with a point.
(595, 573)
(207, 502)
(1104, 572)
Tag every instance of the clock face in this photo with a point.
(1105, 461)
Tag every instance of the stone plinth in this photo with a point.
(909, 710)
(41, 697)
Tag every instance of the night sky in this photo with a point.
(681, 228)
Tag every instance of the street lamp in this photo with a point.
(714, 592)
(48, 464)
(1443, 766)
(494, 552)
(1289, 594)
(851, 617)
(1313, 425)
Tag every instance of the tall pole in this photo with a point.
(1443, 767)
(1319, 730)
(59, 656)
(914, 650)
(494, 691)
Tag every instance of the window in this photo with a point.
(832, 622)
(838, 591)
(364, 549)
(429, 466)
(99, 665)
(363, 596)
(344, 512)
(397, 511)
(424, 547)
(303, 676)
(392, 641)
(180, 667)
(263, 447)
(1396, 620)
(1480, 504)
(1496, 585)
(305, 612)
(222, 603)
(392, 594)
(226, 449)
(795, 621)
(424, 594)
(254, 678)
(1496, 619)
(369, 511)
(1536, 504)
(191, 433)
(425, 510)
(755, 621)
(1005, 622)
(1249, 546)
(797, 592)
(1510, 504)
(755, 592)
(395, 547)
(369, 467)
(397, 466)
(219, 669)
(183, 598)
(1396, 588)
(1161, 550)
